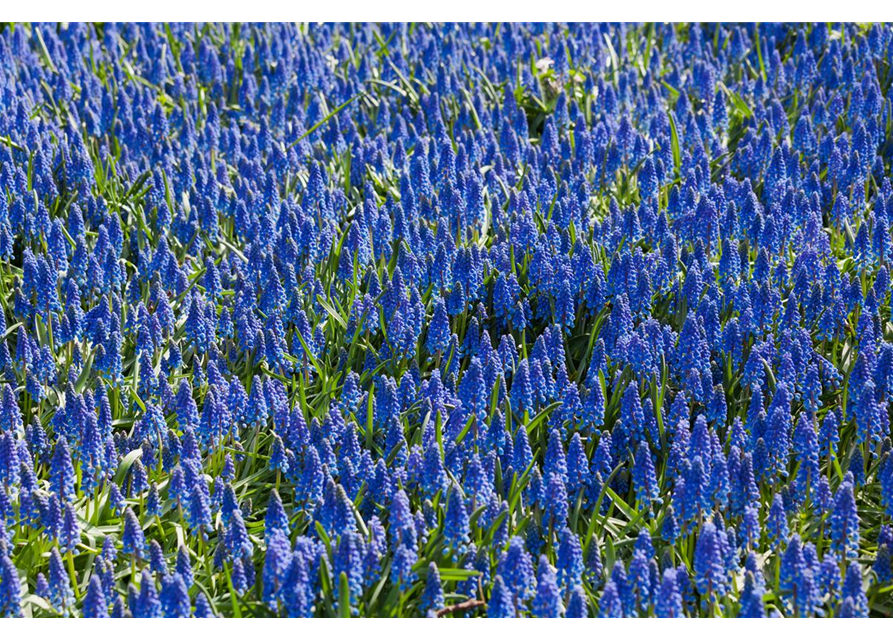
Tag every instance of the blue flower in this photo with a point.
(62, 474)
(183, 566)
(434, 478)
(680, 349)
(640, 580)
(516, 570)
(148, 604)
(578, 472)
(777, 521)
(555, 510)
(829, 434)
(175, 597)
(61, 595)
(547, 602)
(402, 573)
(796, 577)
(669, 600)
(751, 598)
(432, 596)
(609, 606)
(644, 478)
(473, 392)
(133, 540)
(10, 588)
(295, 588)
(844, 521)
(522, 390)
(555, 459)
(501, 603)
(853, 598)
(569, 563)
(710, 573)
(439, 334)
(94, 605)
(276, 520)
(348, 561)
(455, 527)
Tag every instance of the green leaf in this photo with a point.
(343, 596)
(674, 145)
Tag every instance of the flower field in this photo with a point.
(454, 320)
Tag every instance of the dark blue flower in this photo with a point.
(432, 596)
(547, 602)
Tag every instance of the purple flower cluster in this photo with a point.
(422, 320)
